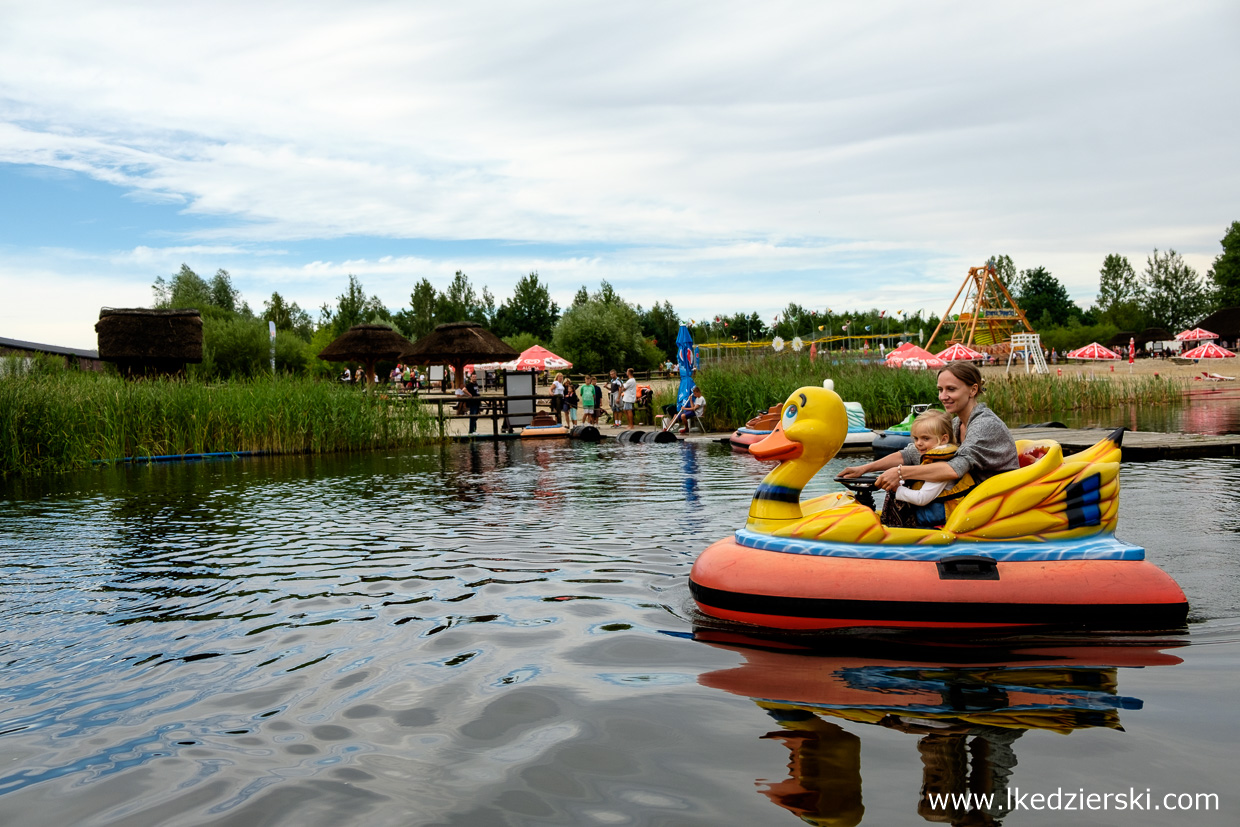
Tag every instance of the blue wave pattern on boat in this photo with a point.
(1092, 548)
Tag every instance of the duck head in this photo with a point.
(812, 426)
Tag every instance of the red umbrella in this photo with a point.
(538, 358)
(1093, 350)
(1195, 335)
(907, 351)
(1208, 351)
(961, 353)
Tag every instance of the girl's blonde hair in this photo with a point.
(937, 422)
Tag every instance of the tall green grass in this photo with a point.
(61, 421)
(737, 390)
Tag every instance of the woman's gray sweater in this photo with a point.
(988, 447)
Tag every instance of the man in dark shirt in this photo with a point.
(473, 402)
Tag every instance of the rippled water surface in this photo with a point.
(501, 634)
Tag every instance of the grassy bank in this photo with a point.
(735, 391)
(66, 420)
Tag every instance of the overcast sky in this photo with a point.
(722, 156)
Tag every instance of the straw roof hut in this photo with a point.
(368, 344)
(459, 344)
(146, 342)
(1224, 322)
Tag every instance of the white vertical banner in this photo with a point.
(271, 329)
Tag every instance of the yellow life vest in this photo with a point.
(952, 494)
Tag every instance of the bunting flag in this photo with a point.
(821, 326)
(867, 327)
(845, 327)
(880, 315)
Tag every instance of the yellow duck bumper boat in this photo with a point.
(1030, 547)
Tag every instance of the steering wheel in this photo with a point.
(862, 488)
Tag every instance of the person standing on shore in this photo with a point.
(613, 390)
(629, 399)
(589, 401)
(473, 403)
(557, 397)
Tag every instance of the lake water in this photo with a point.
(501, 634)
(1209, 408)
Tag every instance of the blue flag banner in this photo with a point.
(686, 359)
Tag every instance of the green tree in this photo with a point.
(603, 333)
(1174, 294)
(1224, 274)
(530, 310)
(1044, 299)
(288, 317)
(522, 342)
(185, 289)
(582, 296)
(223, 294)
(1119, 294)
(660, 324)
(747, 328)
(350, 307)
(460, 303)
(1005, 269)
(233, 348)
(419, 319)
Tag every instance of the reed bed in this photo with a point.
(63, 421)
(1029, 393)
(737, 391)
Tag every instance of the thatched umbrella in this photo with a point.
(366, 343)
(458, 344)
(142, 341)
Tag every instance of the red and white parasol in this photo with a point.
(538, 358)
(1208, 351)
(1093, 350)
(907, 351)
(1195, 335)
(961, 353)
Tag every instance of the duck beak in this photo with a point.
(776, 446)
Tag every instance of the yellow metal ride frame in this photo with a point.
(991, 315)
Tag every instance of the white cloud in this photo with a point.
(681, 151)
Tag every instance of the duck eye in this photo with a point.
(790, 415)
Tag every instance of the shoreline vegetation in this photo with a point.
(55, 420)
(66, 420)
(737, 391)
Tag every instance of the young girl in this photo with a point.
(919, 504)
(570, 403)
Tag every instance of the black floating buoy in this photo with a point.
(588, 433)
(660, 437)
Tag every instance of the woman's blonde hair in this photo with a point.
(937, 422)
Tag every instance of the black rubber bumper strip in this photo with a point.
(1096, 615)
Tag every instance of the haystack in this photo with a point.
(459, 344)
(146, 342)
(368, 344)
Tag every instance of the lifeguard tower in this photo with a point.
(989, 315)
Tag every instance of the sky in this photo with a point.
(725, 157)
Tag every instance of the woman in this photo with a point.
(986, 445)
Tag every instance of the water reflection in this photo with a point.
(1205, 410)
(965, 704)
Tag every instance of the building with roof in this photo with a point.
(74, 357)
